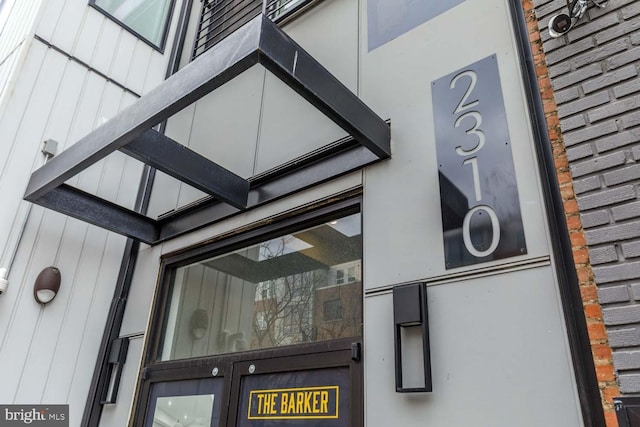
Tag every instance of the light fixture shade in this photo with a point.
(47, 285)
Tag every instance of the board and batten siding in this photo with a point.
(48, 353)
(18, 18)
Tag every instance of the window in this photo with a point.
(268, 294)
(346, 273)
(147, 19)
(278, 8)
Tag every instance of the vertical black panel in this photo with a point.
(481, 216)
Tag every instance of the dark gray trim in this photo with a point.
(87, 207)
(85, 65)
(165, 30)
(258, 42)
(581, 356)
(176, 160)
(267, 190)
(300, 71)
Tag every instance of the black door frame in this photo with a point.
(317, 355)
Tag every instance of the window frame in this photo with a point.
(337, 351)
(165, 31)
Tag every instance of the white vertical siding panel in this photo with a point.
(14, 44)
(35, 254)
(6, 69)
(119, 68)
(86, 47)
(138, 68)
(80, 256)
(51, 85)
(78, 252)
(10, 218)
(105, 278)
(68, 26)
(26, 139)
(46, 336)
(49, 17)
(129, 182)
(156, 71)
(87, 108)
(106, 46)
(18, 25)
(65, 107)
(11, 118)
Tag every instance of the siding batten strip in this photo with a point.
(87, 66)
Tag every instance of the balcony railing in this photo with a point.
(219, 18)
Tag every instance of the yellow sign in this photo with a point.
(303, 403)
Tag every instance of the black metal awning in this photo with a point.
(258, 42)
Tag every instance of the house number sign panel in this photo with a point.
(481, 217)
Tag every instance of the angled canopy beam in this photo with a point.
(230, 58)
(94, 210)
(300, 71)
(176, 160)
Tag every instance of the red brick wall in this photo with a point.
(600, 349)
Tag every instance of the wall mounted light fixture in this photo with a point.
(411, 333)
(47, 285)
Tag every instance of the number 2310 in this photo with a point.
(474, 119)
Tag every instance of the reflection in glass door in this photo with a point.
(190, 403)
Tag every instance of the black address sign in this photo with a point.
(480, 207)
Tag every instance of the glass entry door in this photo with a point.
(261, 330)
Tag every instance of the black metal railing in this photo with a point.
(219, 18)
